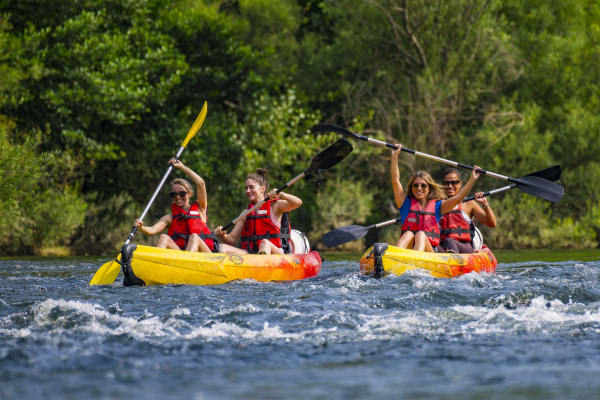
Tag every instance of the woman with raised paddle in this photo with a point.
(265, 230)
(456, 226)
(187, 221)
(422, 207)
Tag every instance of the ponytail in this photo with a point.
(260, 177)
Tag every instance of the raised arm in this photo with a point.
(449, 204)
(483, 214)
(399, 194)
(197, 179)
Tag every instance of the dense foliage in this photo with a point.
(96, 95)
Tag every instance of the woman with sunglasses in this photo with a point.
(457, 225)
(187, 221)
(265, 230)
(422, 207)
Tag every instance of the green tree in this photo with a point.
(38, 209)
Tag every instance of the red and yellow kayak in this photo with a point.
(157, 266)
(382, 259)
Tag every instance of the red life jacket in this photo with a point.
(185, 223)
(423, 220)
(454, 226)
(259, 226)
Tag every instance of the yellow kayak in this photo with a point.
(146, 265)
(382, 259)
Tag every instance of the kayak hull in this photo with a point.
(385, 259)
(155, 266)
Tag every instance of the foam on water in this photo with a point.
(61, 317)
(364, 337)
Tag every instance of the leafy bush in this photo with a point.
(342, 202)
(37, 208)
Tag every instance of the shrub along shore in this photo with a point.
(96, 96)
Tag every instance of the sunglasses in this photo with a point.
(180, 194)
(420, 185)
(448, 183)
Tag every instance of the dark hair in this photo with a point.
(452, 171)
(260, 177)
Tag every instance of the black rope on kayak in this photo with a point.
(379, 250)
(129, 278)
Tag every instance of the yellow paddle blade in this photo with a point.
(107, 273)
(197, 125)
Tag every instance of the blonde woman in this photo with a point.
(422, 206)
(187, 221)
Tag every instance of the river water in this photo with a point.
(529, 331)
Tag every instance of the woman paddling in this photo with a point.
(265, 230)
(422, 207)
(457, 225)
(187, 221)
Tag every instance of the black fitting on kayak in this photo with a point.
(379, 250)
(129, 278)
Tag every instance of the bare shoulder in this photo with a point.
(473, 207)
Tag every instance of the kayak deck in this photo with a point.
(382, 258)
(155, 266)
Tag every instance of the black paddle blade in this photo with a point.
(331, 155)
(540, 187)
(551, 173)
(344, 235)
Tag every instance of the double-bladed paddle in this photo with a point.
(530, 184)
(325, 159)
(107, 273)
(350, 233)
(551, 173)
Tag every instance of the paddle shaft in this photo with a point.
(260, 203)
(534, 185)
(327, 158)
(191, 133)
(348, 233)
(107, 273)
(432, 157)
(493, 191)
(385, 223)
(156, 191)
(551, 173)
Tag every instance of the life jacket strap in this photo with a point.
(448, 231)
(428, 233)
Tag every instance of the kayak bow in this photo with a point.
(381, 259)
(146, 265)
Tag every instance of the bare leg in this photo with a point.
(422, 243)
(406, 240)
(267, 247)
(227, 249)
(195, 243)
(165, 242)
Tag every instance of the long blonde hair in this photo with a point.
(435, 191)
